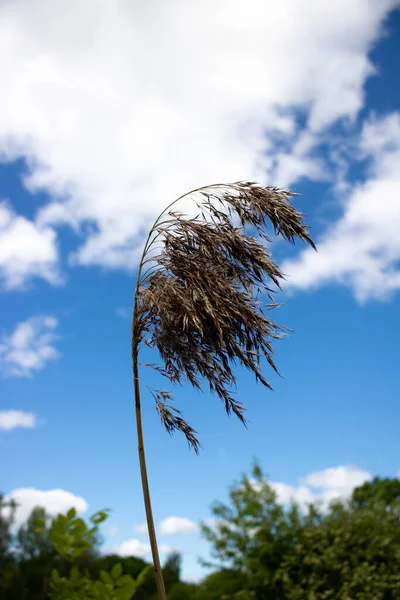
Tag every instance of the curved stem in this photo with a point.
(136, 338)
(145, 484)
(148, 241)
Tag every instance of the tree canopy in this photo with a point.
(261, 550)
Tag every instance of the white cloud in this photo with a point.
(123, 312)
(362, 249)
(176, 525)
(11, 419)
(27, 249)
(140, 549)
(302, 495)
(119, 107)
(322, 486)
(29, 347)
(54, 501)
(342, 479)
(132, 548)
(141, 528)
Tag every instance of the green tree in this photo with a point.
(353, 553)
(31, 542)
(197, 302)
(349, 552)
(186, 591)
(172, 570)
(225, 583)
(251, 536)
(8, 567)
(379, 490)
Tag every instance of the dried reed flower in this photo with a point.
(199, 302)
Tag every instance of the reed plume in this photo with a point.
(199, 300)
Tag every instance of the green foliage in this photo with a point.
(32, 540)
(262, 551)
(77, 586)
(172, 570)
(7, 564)
(349, 552)
(71, 537)
(225, 583)
(185, 591)
(386, 491)
(131, 564)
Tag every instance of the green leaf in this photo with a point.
(55, 576)
(40, 524)
(76, 552)
(125, 592)
(57, 527)
(116, 571)
(142, 577)
(74, 576)
(104, 576)
(99, 517)
(71, 514)
(99, 587)
(79, 526)
(62, 520)
(57, 537)
(124, 580)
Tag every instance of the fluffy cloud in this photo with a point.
(362, 249)
(322, 486)
(341, 480)
(29, 347)
(27, 249)
(54, 501)
(286, 493)
(176, 525)
(132, 548)
(137, 548)
(170, 526)
(11, 419)
(120, 107)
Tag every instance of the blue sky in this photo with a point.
(104, 121)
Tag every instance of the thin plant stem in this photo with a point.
(145, 483)
(139, 428)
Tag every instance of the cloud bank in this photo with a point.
(362, 249)
(119, 107)
(53, 501)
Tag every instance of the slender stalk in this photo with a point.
(136, 338)
(145, 484)
(139, 427)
